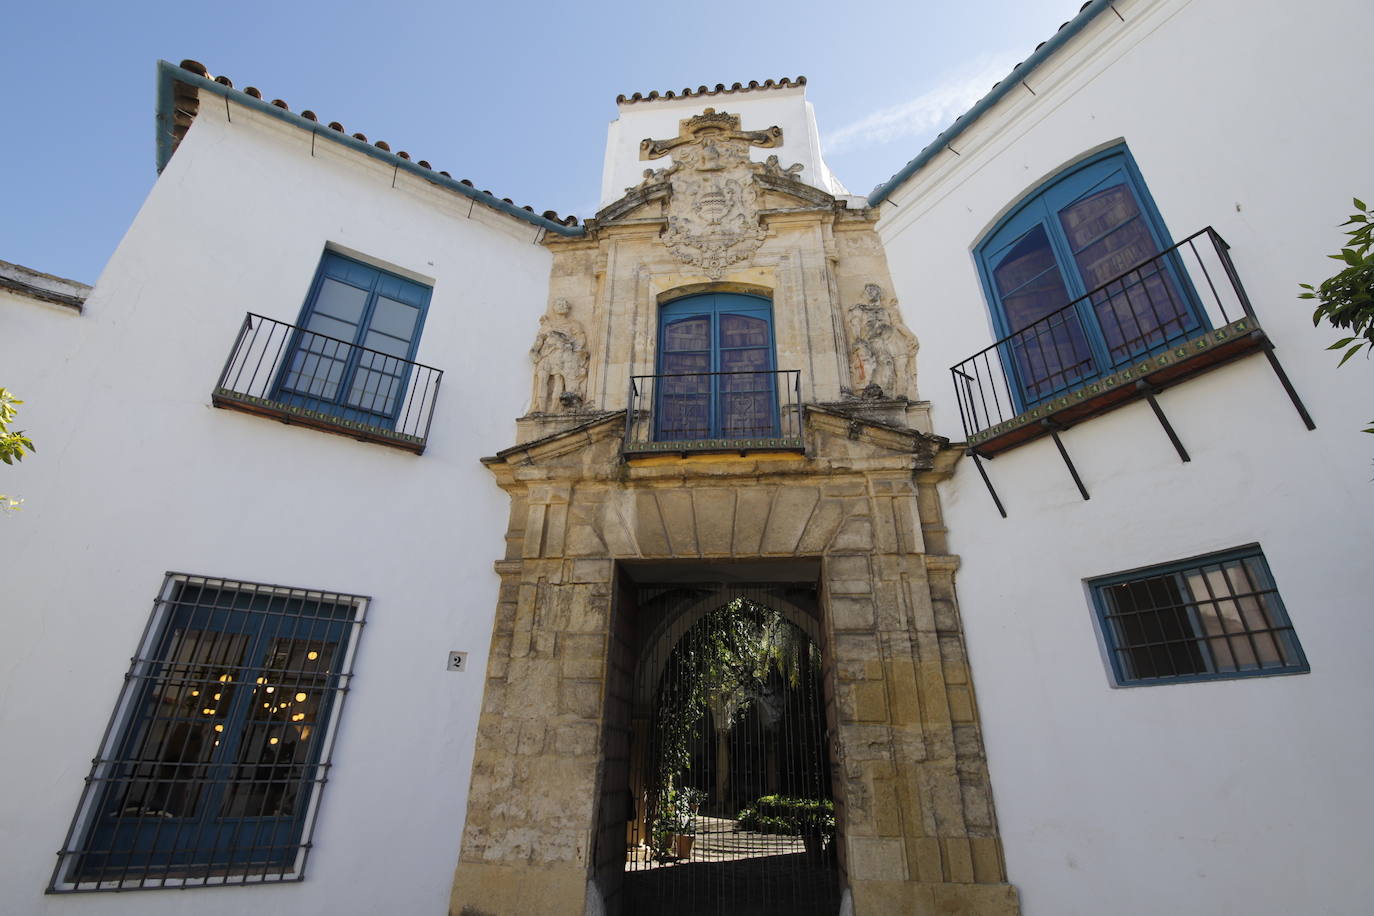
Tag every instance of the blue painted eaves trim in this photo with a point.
(1013, 79)
(169, 73)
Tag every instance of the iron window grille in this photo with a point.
(1208, 618)
(211, 768)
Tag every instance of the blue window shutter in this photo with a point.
(1082, 229)
(358, 333)
(716, 359)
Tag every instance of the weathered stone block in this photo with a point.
(958, 859)
(855, 534)
(906, 701)
(975, 900)
(855, 647)
(877, 859)
(868, 700)
(494, 889)
(531, 738)
(926, 858)
(599, 570)
(649, 534)
(679, 520)
(865, 742)
(581, 698)
(751, 515)
(576, 739)
(887, 809)
(791, 510)
(820, 530)
(960, 704)
(714, 510)
(987, 860)
(851, 612)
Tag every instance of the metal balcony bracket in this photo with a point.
(1150, 391)
(1288, 386)
(1054, 429)
(982, 472)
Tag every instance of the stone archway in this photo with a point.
(911, 784)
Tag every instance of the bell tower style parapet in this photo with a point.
(781, 103)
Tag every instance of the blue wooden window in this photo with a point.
(1085, 228)
(1212, 617)
(220, 743)
(352, 355)
(715, 361)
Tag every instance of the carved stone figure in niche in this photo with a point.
(713, 213)
(560, 361)
(883, 352)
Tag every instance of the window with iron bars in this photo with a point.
(211, 768)
(1208, 618)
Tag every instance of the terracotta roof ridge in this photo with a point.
(183, 123)
(719, 89)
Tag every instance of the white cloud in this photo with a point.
(928, 113)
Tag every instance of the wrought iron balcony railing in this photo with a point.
(1167, 318)
(714, 411)
(295, 375)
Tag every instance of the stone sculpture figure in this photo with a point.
(560, 357)
(883, 351)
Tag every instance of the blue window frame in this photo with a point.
(1208, 618)
(220, 742)
(1089, 226)
(715, 362)
(352, 353)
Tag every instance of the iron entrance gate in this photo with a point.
(731, 806)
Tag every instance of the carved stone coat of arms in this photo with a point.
(713, 213)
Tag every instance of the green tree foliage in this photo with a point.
(1346, 299)
(14, 443)
(722, 665)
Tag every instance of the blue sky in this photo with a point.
(515, 96)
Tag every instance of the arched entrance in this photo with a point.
(731, 805)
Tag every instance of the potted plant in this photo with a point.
(675, 826)
(685, 802)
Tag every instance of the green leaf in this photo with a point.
(1359, 204)
(1341, 343)
(1349, 353)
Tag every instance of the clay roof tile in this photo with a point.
(703, 90)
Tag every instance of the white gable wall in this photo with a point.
(1244, 796)
(138, 474)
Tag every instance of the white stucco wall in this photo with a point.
(1244, 796)
(137, 474)
(759, 109)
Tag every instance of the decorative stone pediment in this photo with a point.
(713, 209)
